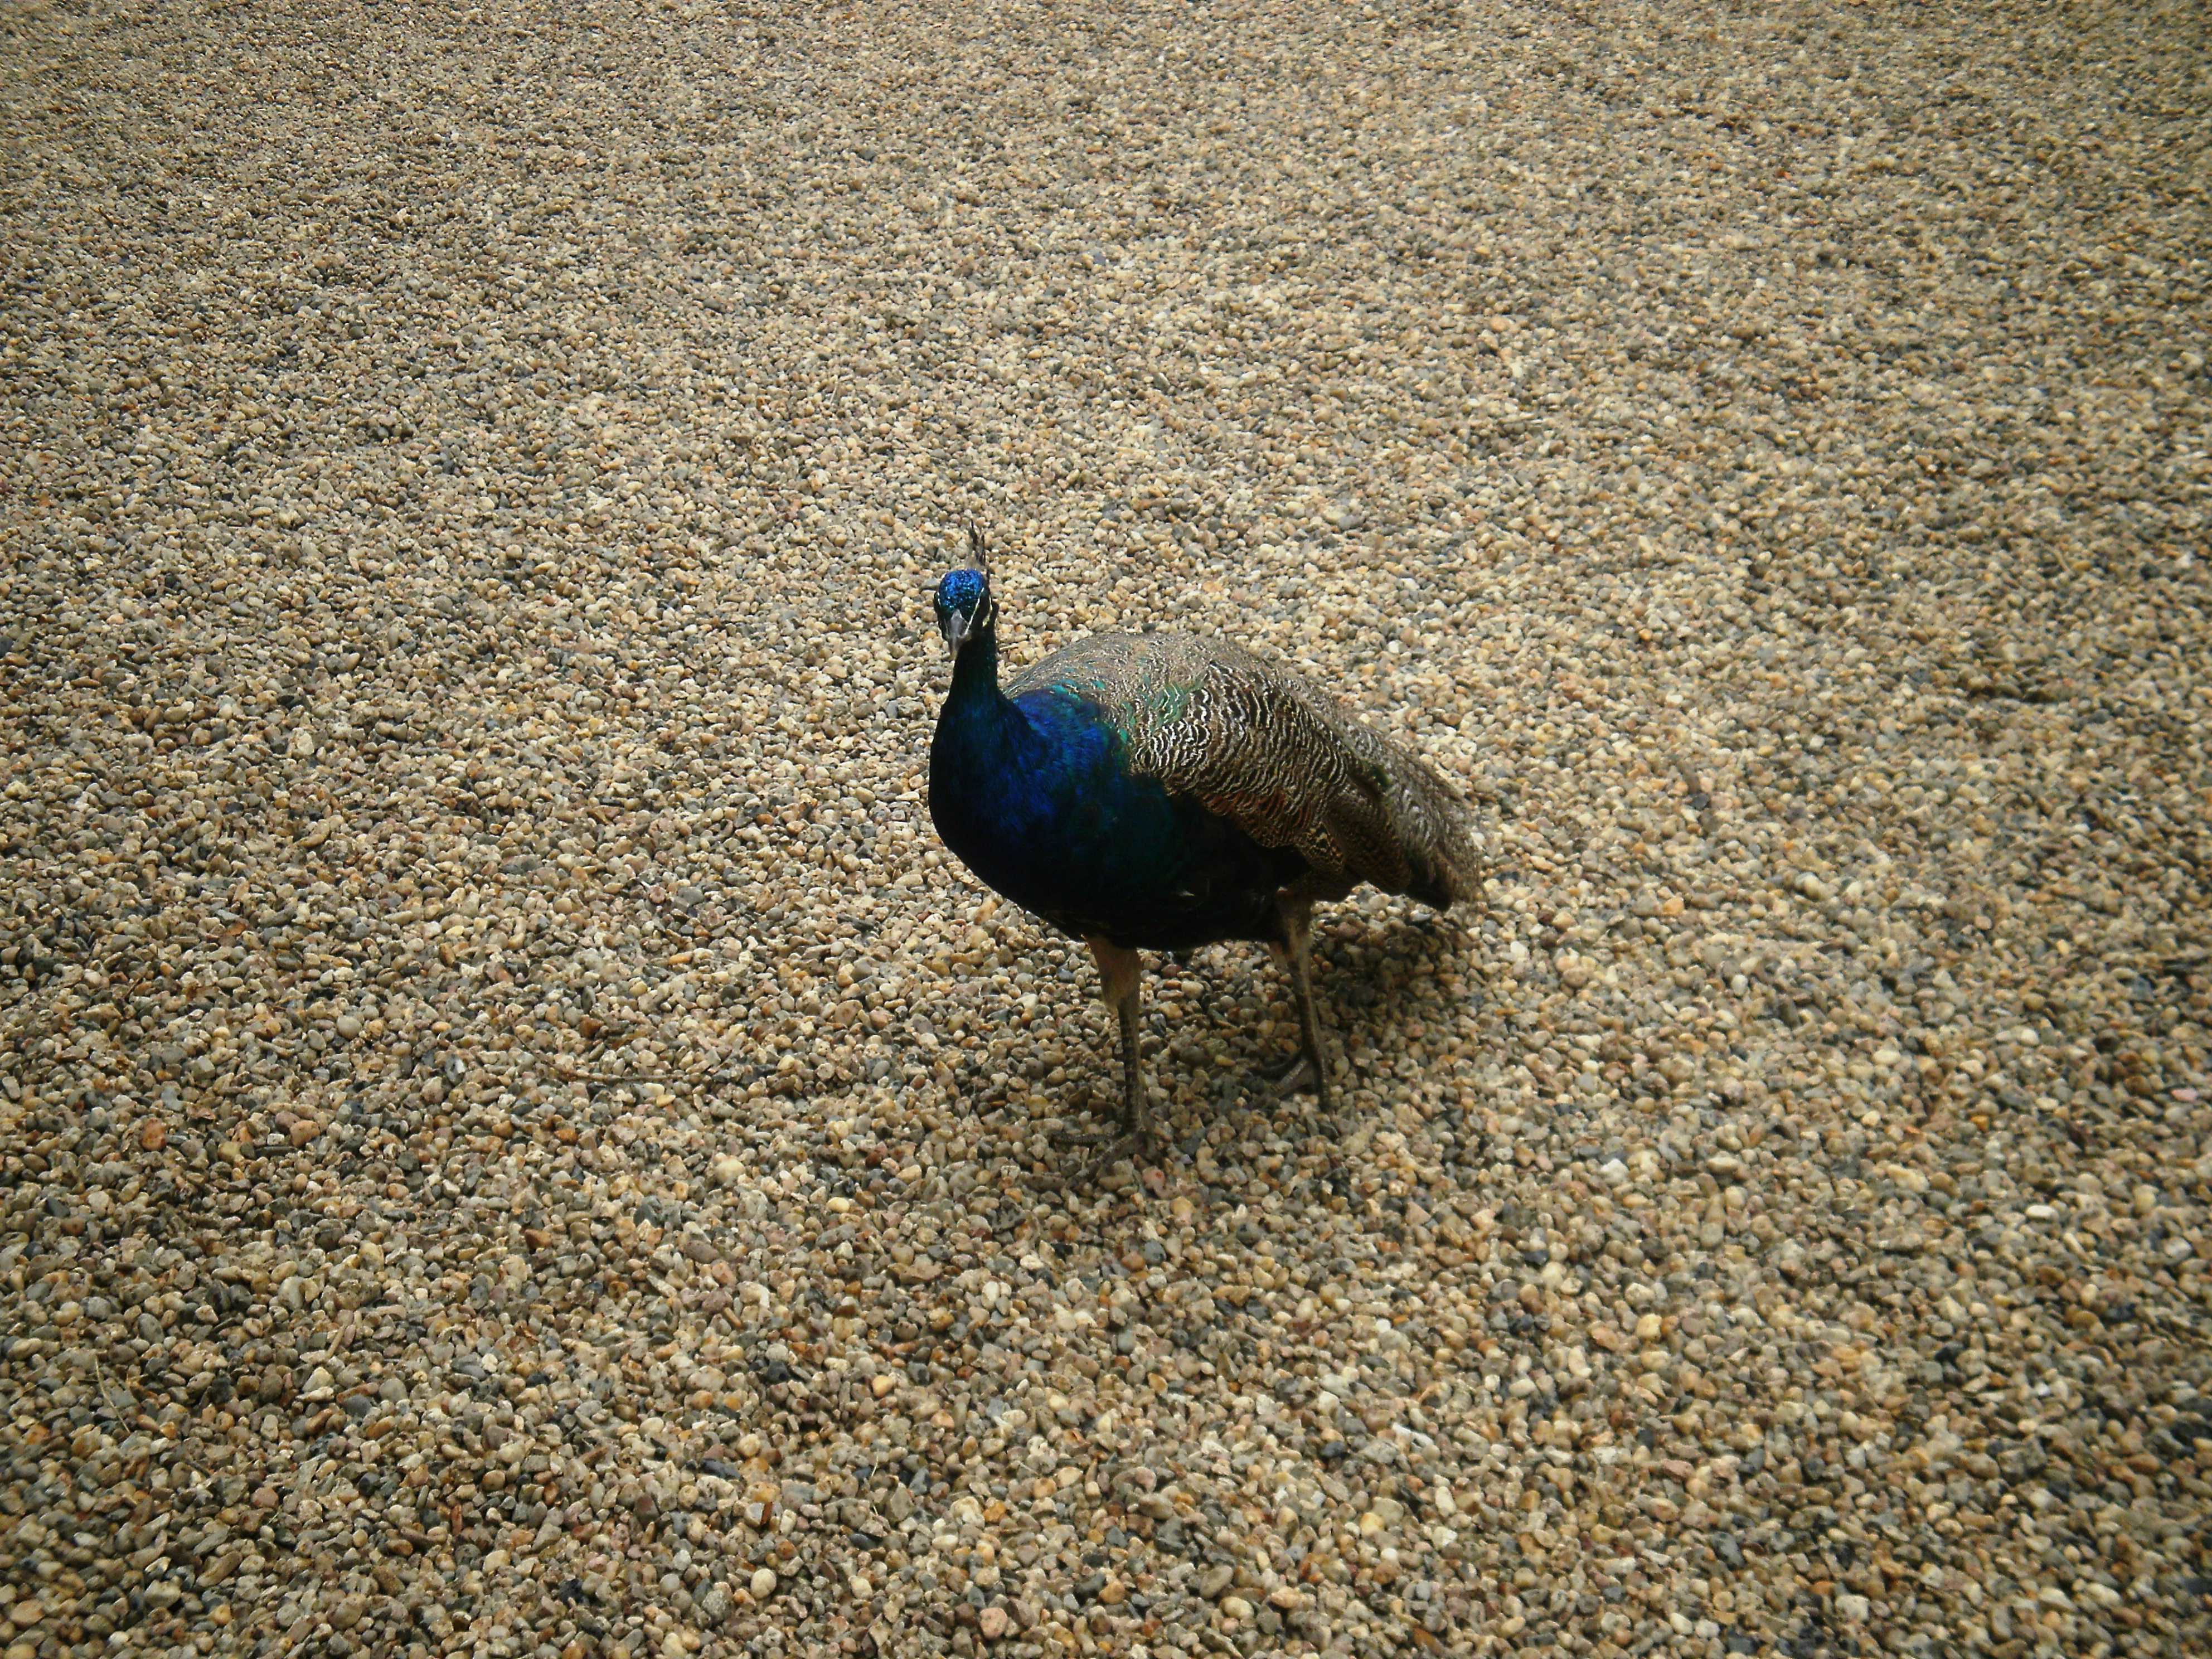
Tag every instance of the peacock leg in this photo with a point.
(1293, 1072)
(1297, 942)
(1122, 969)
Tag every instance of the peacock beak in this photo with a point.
(958, 625)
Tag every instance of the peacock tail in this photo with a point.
(1260, 744)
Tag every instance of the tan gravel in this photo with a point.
(517, 1143)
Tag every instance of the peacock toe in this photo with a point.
(1293, 1074)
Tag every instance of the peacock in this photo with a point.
(1160, 792)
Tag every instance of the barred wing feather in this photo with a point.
(1259, 744)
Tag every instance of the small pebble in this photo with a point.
(517, 1138)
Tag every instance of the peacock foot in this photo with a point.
(1080, 1138)
(1295, 1073)
(1142, 1148)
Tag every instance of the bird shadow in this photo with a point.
(1371, 974)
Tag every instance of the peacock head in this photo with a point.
(964, 606)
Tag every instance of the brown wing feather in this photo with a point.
(1263, 746)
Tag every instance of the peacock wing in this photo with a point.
(1262, 745)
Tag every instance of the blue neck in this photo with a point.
(976, 671)
(992, 731)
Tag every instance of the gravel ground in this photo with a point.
(517, 1143)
